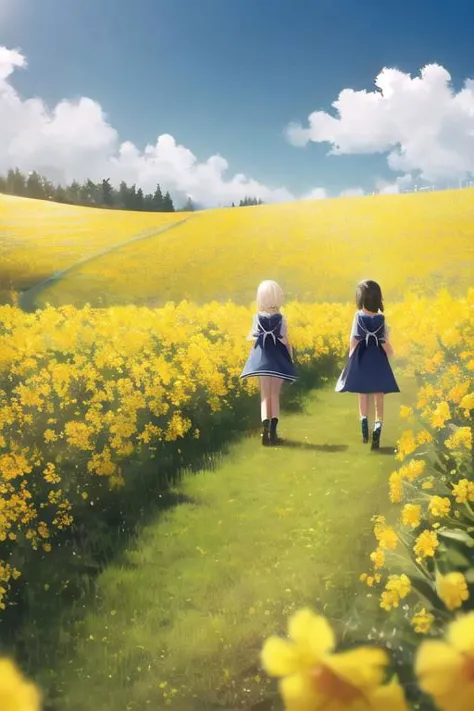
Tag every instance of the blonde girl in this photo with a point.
(271, 357)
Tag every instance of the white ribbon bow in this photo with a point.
(267, 333)
(370, 333)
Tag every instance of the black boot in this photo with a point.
(274, 439)
(265, 433)
(376, 435)
(365, 429)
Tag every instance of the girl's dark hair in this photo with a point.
(369, 296)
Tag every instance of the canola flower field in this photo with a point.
(39, 238)
(85, 392)
(317, 249)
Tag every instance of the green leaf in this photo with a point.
(458, 534)
(469, 575)
(456, 559)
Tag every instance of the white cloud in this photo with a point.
(421, 123)
(74, 140)
(315, 194)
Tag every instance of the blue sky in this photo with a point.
(227, 77)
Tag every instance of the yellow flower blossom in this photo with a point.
(413, 469)
(464, 491)
(313, 676)
(16, 693)
(452, 590)
(387, 538)
(467, 403)
(411, 515)
(439, 506)
(396, 487)
(440, 415)
(406, 444)
(422, 621)
(426, 544)
(460, 439)
(445, 669)
(396, 589)
(370, 580)
(424, 437)
(378, 558)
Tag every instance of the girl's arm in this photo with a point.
(251, 336)
(353, 345)
(353, 342)
(284, 336)
(387, 345)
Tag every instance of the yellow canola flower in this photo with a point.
(440, 415)
(460, 439)
(395, 483)
(411, 515)
(406, 444)
(464, 491)
(396, 589)
(406, 412)
(314, 677)
(467, 403)
(422, 621)
(378, 558)
(16, 693)
(439, 506)
(426, 544)
(387, 538)
(445, 668)
(452, 589)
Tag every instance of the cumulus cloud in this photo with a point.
(74, 140)
(315, 194)
(421, 123)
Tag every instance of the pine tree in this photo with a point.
(140, 201)
(74, 193)
(60, 194)
(35, 186)
(107, 193)
(189, 206)
(158, 200)
(168, 203)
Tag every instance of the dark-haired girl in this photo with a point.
(368, 370)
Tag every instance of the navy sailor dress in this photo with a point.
(368, 369)
(269, 354)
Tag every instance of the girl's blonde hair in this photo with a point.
(270, 296)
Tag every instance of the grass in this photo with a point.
(179, 618)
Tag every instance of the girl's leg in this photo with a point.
(379, 407)
(378, 420)
(265, 407)
(363, 412)
(276, 384)
(275, 408)
(265, 397)
(363, 405)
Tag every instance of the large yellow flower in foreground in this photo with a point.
(445, 670)
(16, 694)
(314, 678)
(452, 589)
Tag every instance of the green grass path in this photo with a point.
(179, 620)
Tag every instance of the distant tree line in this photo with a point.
(248, 201)
(100, 194)
(88, 193)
